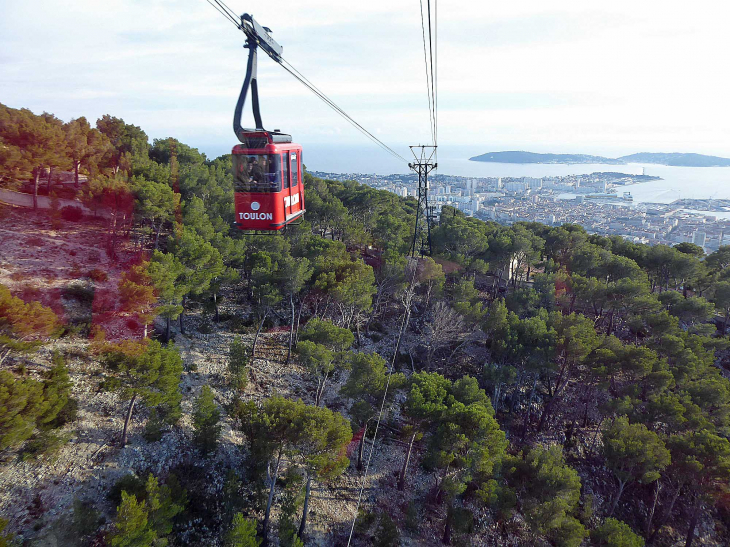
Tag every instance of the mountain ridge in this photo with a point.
(674, 159)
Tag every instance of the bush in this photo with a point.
(86, 519)
(205, 327)
(206, 421)
(45, 444)
(5, 537)
(292, 500)
(98, 275)
(365, 519)
(387, 534)
(79, 291)
(153, 429)
(614, 533)
(72, 213)
(131, 484)
(413, 520)
(238, 357)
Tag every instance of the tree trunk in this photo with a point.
(145, 330)
(546, 412)
(299, 316)
(610, 324)
(167, 333)
(76, 173)
(402, 477)
(305, 509)
(157, 234)
(126, 420)
(291, 330)
(446, 539)
(182, 326)
(320, 390)
(35, 187)
(621, 486)
(693, 523)
(258, 331)
(650, 517)
(440, 489)
(49, 182)
(215, 304)
(265, 526)
(529, 410)
(666, 515)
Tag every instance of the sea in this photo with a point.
(676, 183)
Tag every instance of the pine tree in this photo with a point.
(131, 526)
(366, 385)
(238, 358)
(549, 491)
(386, 534)
(137, 293)
(162, 509)
(206, 418)
(144, 370)
(59, 406)
(320, 351)
(614, 533)
(633, 453)
(21, 403)
(23, 326)
(165, 272)
(242, 533)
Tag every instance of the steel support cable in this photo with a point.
(428, 85)
(406, 315)
(430, 54)
(309, 85)
(229, 10)
(436, 76)
(224, 13)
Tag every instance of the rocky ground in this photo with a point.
(40, 263)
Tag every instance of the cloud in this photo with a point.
(638, 74)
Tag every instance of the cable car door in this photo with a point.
(286, 184)
(295, 202)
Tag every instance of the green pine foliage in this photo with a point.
(131, 525)
(238, 359)
(386, 534)
(206, 421)
(242, 533)
(146, 371)
(6, 538)
(614, 533)
(517, 341)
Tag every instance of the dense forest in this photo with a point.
(525, 385)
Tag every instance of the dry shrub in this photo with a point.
(98, 275)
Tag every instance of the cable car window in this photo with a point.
(294, 169)
(257, 172)
(285, 171)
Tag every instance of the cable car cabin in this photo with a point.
(267, 178)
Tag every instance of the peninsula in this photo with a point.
(673, 159)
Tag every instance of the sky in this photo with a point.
(577, 76)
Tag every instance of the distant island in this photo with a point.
(674, 159)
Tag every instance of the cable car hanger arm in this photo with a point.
(256, 36)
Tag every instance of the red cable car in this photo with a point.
(267, 166)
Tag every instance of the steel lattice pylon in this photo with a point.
(424, 215)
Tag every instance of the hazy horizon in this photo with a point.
(563, 78)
